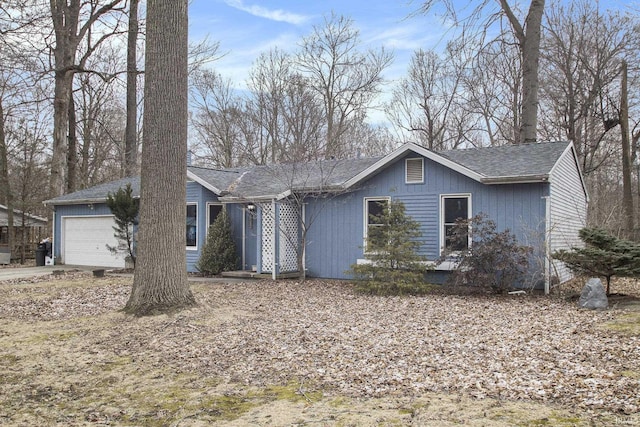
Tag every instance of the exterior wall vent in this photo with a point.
(414, 169)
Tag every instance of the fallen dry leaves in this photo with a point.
(528, 348)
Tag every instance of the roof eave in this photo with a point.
(204, 183)
(529, 179)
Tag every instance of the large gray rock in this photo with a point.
(593, 295)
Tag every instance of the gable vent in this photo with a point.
(414, 171)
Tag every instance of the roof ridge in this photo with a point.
(493, 147)
(229, 170)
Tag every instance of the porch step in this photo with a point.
(247, 274)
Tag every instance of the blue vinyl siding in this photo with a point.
(201, 196)
(335, 237)
(195, 194)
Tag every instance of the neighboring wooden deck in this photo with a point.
(247, 274)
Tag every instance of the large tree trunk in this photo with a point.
(65, 22)
(160, 282)
(529, 42)
(72, 149)
(62, 88)
(130, 138)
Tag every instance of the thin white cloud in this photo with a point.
(274, 15)
(406, 36)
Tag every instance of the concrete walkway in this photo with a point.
(11, 273)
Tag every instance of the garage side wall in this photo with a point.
(568, 212)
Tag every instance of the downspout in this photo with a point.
(547, 245)
(304, 242)
(53, 238)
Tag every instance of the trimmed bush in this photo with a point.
(219, 251)
(395, 267)
(494, 261)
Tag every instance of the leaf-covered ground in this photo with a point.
(285, 353)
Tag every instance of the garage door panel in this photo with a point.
(85, 241)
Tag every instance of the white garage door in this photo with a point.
(84, 241)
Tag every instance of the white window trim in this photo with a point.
(365, 214)
(406, 170)
(193, 248)
(209, 212)
(441, 219)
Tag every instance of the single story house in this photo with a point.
(28, 230)
(535, 190)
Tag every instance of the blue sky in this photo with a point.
(245, 28)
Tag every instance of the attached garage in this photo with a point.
(85, 240)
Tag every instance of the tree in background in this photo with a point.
(73, 24)
(160, 282)
(131, 128)
(125, 209)
(603, 255)
(394, 265)
(219, 251)
(344, 78)
(527, 34)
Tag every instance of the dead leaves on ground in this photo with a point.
(322, 333)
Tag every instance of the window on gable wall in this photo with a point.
(453, 209)
(414, 171)
(192, 226)
(374, 208)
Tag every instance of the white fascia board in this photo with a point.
(75, 201)
(401, 151)
(202, 182)
(571, 151)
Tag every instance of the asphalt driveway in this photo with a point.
(11, 273)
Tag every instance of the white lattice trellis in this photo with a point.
(288, 238)
(268, 222)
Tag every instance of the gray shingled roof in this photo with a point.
(97, 193)
(273, 180)
(524, 161)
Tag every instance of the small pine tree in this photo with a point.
(125, 208)
(395, 267)
(603, 255)
(494, 260)
(219, 251)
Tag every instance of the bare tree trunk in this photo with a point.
(6, 194)
(529, 43)
(627, 190)
(66, 16)
(72, 149)
(130, 139)
(160, 282)
(57, 182)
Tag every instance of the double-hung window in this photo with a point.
(374, 231)
(192, 226)
(453, 208)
